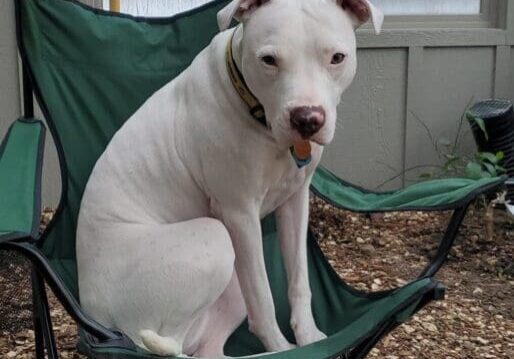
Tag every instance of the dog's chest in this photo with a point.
(284, 181)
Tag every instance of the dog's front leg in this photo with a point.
(245, 230)
(292, 221)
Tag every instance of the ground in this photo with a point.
(372, 253)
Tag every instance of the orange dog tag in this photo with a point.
(302, 150)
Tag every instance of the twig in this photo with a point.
(434, 143)
(387, 165)
(489, 216)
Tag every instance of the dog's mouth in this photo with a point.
(319, 141)
(296, 138)
(319, 137)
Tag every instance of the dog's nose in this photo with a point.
(307, 120)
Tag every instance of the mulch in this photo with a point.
(371, 253)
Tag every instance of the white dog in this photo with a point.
(169, 246)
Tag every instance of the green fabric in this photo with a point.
(18, 177)
(435, 194)
(93, 71)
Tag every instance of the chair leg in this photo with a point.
(42, 321)
(36, 316)
(362, 350)
(446, 243)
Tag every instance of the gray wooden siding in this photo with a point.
(9, 84)
(368, 145)
(427, 72)
(51, 185)
(449, 79)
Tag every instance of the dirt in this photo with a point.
(370, 252)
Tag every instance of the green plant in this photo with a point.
(485, 165)
(480, 123)
(453, 164)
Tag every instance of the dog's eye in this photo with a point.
(338, 58)
(269, 60)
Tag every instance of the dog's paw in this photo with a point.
(279, 345)
(276, 343)
(271, 336)
(306, 337)
(306, 332)
(282, 347)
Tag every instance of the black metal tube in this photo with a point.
(41, 303)
(446, 243)
(28, 98)
(361, 351)
(36, 317)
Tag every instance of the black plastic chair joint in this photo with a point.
(439, 292)
(122, 342)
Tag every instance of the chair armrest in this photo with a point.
(435, 195)
(21, 158)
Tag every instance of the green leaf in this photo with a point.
(481, 124)
(473, 170)
(500, 169)
(487, 156)
(485, 174)
(491, 169)
(451, 162)
(500, 156)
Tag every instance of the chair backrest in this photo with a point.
(91, 70)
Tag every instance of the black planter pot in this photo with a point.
(498, 118)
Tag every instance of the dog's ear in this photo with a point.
(237, 9)
(362, 11)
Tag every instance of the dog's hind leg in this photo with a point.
(156, 280)
(208, 335)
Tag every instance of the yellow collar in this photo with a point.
(256, 109)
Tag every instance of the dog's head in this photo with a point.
(298, 57)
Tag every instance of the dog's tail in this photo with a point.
(160, 345)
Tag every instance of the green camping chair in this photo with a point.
(90, 70)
